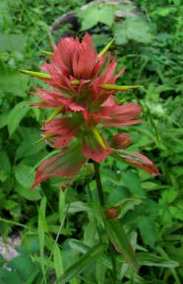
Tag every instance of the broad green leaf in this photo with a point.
(90, 257)
(177, 211)
(9, 277)
(12, 42)
(58, 263)
(30, 243)
(31, 143)
(128, 204)
(138, 30)
(27, 193)
(120, 33)
(132, 182)
(25, 268)
(119, 239)
(24, 175)
(16, 115)
(148, 230)
(169, 195)
(133, 28)
(96, 13)
(13, 82)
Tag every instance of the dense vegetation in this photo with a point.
(59, 223)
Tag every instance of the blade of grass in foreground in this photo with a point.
(82, 263)
(57, 260)
(42, 228)
(118, 238)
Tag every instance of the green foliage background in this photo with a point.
(61, 231)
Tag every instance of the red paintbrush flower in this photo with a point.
(81, 90)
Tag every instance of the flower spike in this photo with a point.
(82, 86)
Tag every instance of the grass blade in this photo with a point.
(42, 228)
(83, 262)
(57, 260)
(118, 238)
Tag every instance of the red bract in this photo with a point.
(81, 92)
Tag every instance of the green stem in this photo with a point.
(102, 204)
(99, 184)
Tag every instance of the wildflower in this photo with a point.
(81, 90)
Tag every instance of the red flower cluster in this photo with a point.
(81, 90)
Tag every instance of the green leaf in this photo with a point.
(119, 239)
(149, 259)
(120, 33)
(9, 277)
(27, 193)
(83, 262)
(132, 182)
(24, 175)
(25, 268)
(12, 42)
(58, 263)
(13, 82)
(133, 28)
(30, 243)
(168, 196)
(62, 204)
(16, 115)
(31, 143)
(96, 13)
(101, 271)
(147, 230)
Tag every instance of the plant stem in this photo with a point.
(99, 184)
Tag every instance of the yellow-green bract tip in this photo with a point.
(119, 88)
(39, 75)
(106, 48)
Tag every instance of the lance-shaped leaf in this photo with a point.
(119, 88)
(39, 75)
(106, 48)
(46, 52)
(90, 257)
(118, 238)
